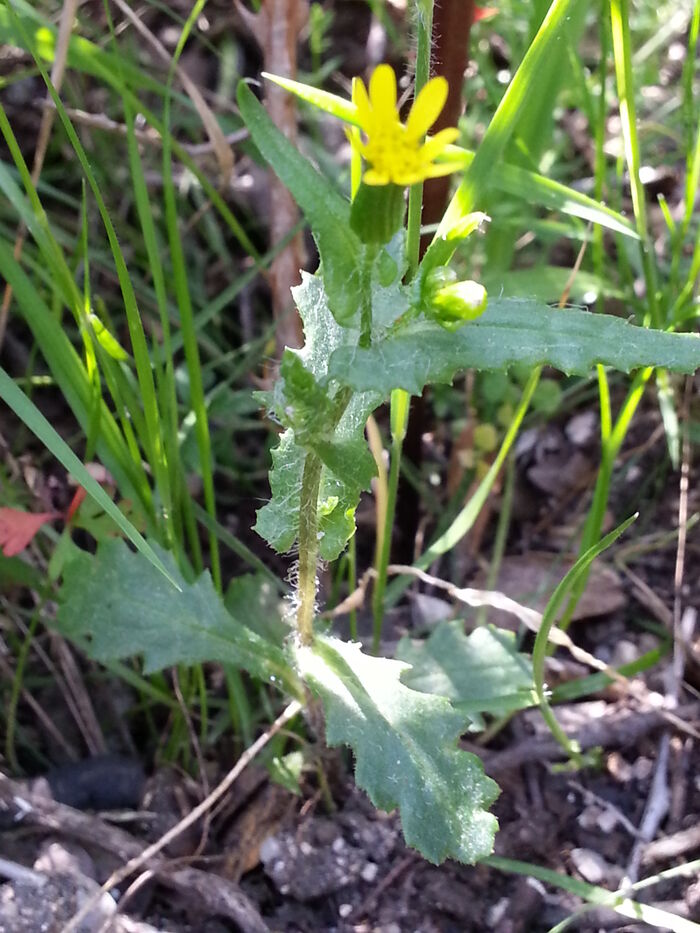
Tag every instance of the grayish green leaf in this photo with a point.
(405, 746)
(510, 331)
(479, 673)
(302, 400)
(116, 604)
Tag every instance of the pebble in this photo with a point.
(369, 872)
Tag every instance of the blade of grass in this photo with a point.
(504, 121)
(151, 440)
(184, 302)
(619, 901)
(541, 646)
(27, 412)
(89, 58)
(622, 52)
(468, 515)
(72, 379)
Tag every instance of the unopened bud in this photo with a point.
(454, 303)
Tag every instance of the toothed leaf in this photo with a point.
(405, 746)
(510, 331)
(116, 605)
(479, 673)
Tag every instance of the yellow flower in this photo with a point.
(397, 153)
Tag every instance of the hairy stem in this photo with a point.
(308, 530)
(308, 546)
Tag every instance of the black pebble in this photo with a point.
(107, 782)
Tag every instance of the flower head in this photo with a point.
(396, 152)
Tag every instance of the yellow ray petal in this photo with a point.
(433, 147)
(361, 101)
(382, 92)
(426, 107)
(438, 169)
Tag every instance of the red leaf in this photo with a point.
(17, 528)
(484, 12)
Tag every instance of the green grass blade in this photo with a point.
(505, 119)
(540, 649)
(87, 57)
(619, 901)
(27, 412)
(189, 333)
(151, 439)
(622, 50)
(73, 381)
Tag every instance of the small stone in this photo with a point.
(625, 652)
(369, 872)
(590, 865)
(338, 844)
(581, 429)
(270, 850)
(344, 910)
(306, 848)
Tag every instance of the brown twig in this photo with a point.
(621, 728)
(222, 149)
(276, 29)
(150, 136)
(658, 804)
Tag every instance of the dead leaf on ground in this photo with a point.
(531, 578)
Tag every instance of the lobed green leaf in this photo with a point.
(405, 746)
(479, 673)
(303, 401)
(167, 627)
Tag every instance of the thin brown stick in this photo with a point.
(150, 136)
(134, 864)
(224, 153)
(658, 804)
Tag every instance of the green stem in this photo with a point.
(468, 515)
(500, 538)
(599, 170)
(400, 400)
(385, 553)
(308, 547)
(308, 531)
(352, 585)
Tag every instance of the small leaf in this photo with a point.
(117, 605)
(303, 401)
(327, 211)
(510, 331)
(17, 528)
(405, 746)
(479, 673)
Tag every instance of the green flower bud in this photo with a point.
(451, 303)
